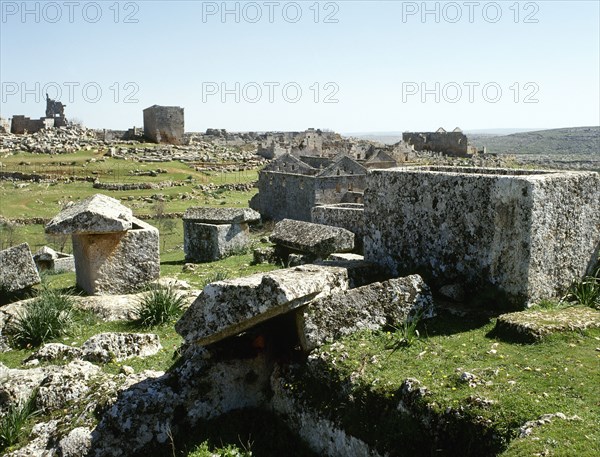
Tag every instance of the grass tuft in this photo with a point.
(586, 292)
(12, 424)
(216, 276)
(48, 316)
(158, 306)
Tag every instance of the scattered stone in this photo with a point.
(534, 325)
(371, 307)
(528, 427)
(345, 256)
(105, 347)
(316, 239)
(226, 308)
(17, 269)
(188, 268)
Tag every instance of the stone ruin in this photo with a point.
(349, 216)
(288, 188)
(17, 269)
(164, 124)
(214, 233)
(47, 259)
(453, 143)
(514, 235)
(55, 117)
(115, 253)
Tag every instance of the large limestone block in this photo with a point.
(17, 269)
(226, 308)
(208, 242)
(95, 214)
(117, 263)
(371, 307)
(522, 235)
(350, 216)
(319, 240)
(210, 215)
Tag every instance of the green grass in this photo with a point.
(159, 306)
(361, 374)
(47, 317)
(14, 423)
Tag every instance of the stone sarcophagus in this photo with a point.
(516, 236)
(115, 253)
(214, 233)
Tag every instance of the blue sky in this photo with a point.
(357, 66)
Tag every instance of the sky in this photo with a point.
(348, 66)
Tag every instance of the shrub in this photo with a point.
(48, 316)
(159, 306)
(11, 425)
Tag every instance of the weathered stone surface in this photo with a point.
(264, 255)
(65, 384)
(350, 216)
(117, 263)
(345, 256)
(16, 386)
(210, 215)
(371, 307)
(454, 292)
(523, 234)
(534, 325)
(105, 347)
(92, 215)
(17, 269)
(55, 351)
(147, 413)
(316, 239)
(77, 443)
(208, 242)
(226, 308)
(41, 435)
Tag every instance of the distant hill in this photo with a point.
(582, 141)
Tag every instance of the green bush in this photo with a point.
(48, 316)
(159, 306)
(11, 425)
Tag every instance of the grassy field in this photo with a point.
(353, 380)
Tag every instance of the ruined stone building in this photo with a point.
(289, 187)
(55, 117)
(453, 143)
(164, 124)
